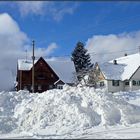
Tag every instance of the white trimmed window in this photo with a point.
(138, 83)
(115, 82)
(134, 83)
(127, 83)
(59, 86)
(102, 84)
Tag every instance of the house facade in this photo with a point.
(48, 74)
(121, 74)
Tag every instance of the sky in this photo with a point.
(108, 30)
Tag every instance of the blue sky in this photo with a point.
(87, 19)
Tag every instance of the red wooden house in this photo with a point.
(48, 74)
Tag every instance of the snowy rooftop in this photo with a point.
(64, 68)
(124, 69)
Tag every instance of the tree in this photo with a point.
(81, 60)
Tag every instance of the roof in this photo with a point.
(64, 68)
(124, 69)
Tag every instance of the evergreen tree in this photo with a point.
(81, 60)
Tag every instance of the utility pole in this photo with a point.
(20, 73)
(33, 58)
(26, 54)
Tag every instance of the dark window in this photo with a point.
(115, 82)
(126, 83)
(134, 82)
(60, 86)
(138, 83)
(50, 86)
(102, 84)
(41, 76)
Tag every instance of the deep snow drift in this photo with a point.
(60, 112)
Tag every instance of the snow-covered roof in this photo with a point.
(124, 69)
(64, 68)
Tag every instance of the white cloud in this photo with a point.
(55, 10)
(58, 14)
(31, 7)
(104, 45)
(44, 52)
(13, 43)
(51, 48)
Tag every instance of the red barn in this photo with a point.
(48, 74)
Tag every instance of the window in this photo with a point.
(25, 87)
(59, 86)
(126, 83)
(39, 87)
(134, 83)
(51, 75)
(102, 84)
(138, 83)
(115, 82)
(50, 86)
(40, 77)
(41, 64)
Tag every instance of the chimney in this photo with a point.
(125, 54)
(115, 62)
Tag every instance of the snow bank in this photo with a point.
(63, 111)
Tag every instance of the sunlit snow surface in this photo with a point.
(74, 112)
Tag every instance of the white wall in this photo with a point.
(135, 77)
(127, 87)
(112, 88)
(122, 86)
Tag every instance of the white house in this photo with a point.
(121, 74)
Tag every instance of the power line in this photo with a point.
(93, 53)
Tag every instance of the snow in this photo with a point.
(124, 69)
(63, 67)
(74, 112)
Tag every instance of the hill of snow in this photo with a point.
(56, 113)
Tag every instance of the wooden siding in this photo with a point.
(45, 77)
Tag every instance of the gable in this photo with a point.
(136, 74)
(42, 66)
(98, 73)
(62, 67)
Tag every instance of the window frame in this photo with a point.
(102, 83)
(127, 83)
(116, 83)
(41, 76)
(133, 82)
(59, 86)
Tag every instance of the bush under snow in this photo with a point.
(63, 111)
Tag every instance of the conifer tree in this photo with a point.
(81, 60)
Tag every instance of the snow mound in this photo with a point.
(63, 111)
